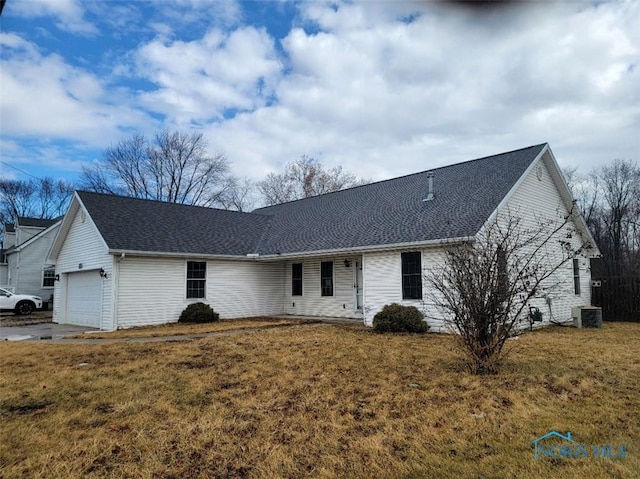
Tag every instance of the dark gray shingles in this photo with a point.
(386, 212)
(392, 211)
(152, 226)
(36, 222)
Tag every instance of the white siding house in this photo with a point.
(153, 291)
(339, 302)
(28, 271)
(124, 262)
(541, 187)
(84, 269)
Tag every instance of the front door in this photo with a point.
(357, 285)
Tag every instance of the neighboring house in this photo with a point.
(8, 238)
(126, 262)
(28, 242)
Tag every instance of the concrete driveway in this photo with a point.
(36, 332)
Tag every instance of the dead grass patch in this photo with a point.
(181, 329)
(317, 402)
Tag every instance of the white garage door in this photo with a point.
(84, 299)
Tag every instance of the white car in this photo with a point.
(19, 303)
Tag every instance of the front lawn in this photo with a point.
(318, 401)
(181, 329)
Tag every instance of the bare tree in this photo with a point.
(43, 198)
(484, 287)
(620, 192)
(609, 199)
(174, 167)
(304, 178)
(586, 191)
(240, 195)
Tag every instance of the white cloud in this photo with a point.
(43, 97)
(383, 88)
(202, 79)
(181, 14)
(386, 97)
(69, 14)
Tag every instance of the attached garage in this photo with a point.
(84, 299)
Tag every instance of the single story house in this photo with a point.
(28, 242)
(124, 262)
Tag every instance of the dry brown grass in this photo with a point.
(317, 401)
(181, 329)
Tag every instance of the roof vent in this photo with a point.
(430, 194)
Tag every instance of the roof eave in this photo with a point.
(298, 254)
(565, 194)
(167, 254)
(370, 249)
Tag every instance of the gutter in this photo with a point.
(374, 248)
(161, 254)
(299, 254)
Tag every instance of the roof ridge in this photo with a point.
(403, 176)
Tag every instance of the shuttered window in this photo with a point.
(576, 276)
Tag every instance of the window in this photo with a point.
(412, 275)
(576, 276)
(48, 277)
(196, 279)
(296, 279)
(326, 278)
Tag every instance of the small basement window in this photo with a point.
(196, 279)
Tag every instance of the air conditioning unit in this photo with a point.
(587, 317)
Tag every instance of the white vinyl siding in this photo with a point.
(83, 246)
(383, 284)
(152, 290)
(312, 303)
(26, 266)
(25, 233)
(532, 200)
(243, 289)
(535, 199)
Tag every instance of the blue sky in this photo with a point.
(383, 88)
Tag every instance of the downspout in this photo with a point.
(284, 286)
(17, 290)
(115, 279)
(364, 291)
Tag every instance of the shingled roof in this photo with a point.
(388, 212)
(133, 224)
(393, 211)
(36, 222)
